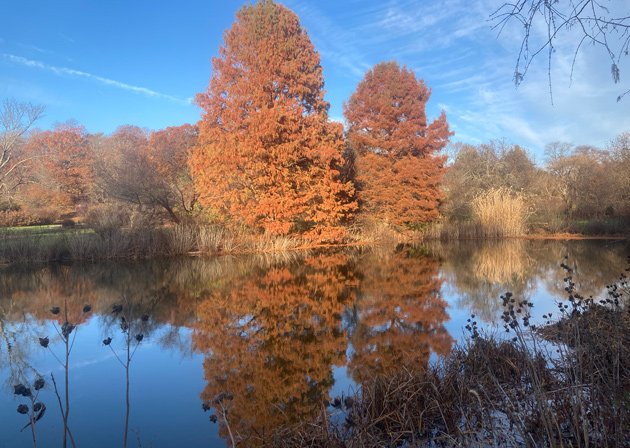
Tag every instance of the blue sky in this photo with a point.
(109, 63)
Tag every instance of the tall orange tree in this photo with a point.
(267, 157)
(398, 171)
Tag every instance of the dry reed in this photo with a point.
(500, 213)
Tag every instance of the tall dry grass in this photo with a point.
(113, 242)
(453, 231)
(184, 238)
(497, 213)
(500, 213)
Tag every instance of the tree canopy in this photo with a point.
(267, 157)
(398, 170)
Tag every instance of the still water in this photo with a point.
(263, 340)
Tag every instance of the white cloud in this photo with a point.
(64, 71)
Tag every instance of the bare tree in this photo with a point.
(149, 170)
(15, 120)
(594, 21)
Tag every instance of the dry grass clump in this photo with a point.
(500, 213)
(453, 231)
(496, 213)
(213, 239)
(184, 238)
(370, 232)
(274, 243)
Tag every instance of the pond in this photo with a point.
(261, 341)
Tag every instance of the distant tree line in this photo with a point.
(578, 188)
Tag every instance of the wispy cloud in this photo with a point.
(65, 71)
(452, 46)
(335, 43)
(43, 51)
(67, 38)
(34, 48)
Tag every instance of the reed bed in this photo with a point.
(497, 213)
(500, 213)
(375, 233)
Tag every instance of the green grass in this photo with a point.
(608, 226)
(43, 230)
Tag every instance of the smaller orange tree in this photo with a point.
(398, 170)
(62, 174)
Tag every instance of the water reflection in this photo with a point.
(271, 341)
(476, 274)
(480, 273)
(399, 315)
(261, 342)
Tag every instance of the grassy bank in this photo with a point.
(39, 244)
(565, 384)
(26, 245)
(474, 230)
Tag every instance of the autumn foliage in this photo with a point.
(61, 173)
(268, 158)
(263, 159)
(398, 171)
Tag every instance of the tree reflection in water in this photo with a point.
(273, 338)
(399, 314)
(271, 342)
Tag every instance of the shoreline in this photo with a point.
(300, 246)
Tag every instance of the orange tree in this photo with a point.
(267, 157)
(62, 175)
(398, 173)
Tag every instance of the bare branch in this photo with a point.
(16, 119)
(594, 21)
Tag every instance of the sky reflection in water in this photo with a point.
(272, 336)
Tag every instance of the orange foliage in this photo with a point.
(268, 157)
(400, 315)
(63, 175)
(272, 340)
(397, 170)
